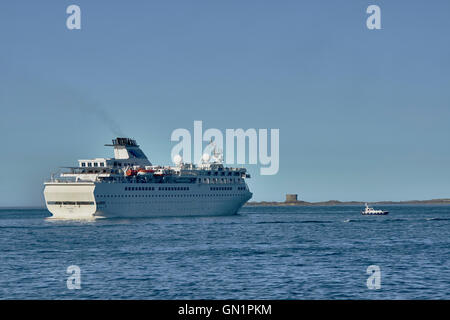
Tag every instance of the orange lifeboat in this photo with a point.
(131, 172)
(144, 171)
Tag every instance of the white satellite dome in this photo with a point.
(206, 157)
(177, 159)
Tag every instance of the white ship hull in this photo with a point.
(81, 200)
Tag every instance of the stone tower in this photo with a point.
(291, 198)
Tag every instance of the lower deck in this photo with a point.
(79, 200)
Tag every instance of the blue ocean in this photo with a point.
(262, 253)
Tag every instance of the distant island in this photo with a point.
(291, 200)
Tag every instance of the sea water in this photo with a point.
(262, 253)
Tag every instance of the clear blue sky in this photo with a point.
(363, 115)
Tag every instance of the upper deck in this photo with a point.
(130, 165)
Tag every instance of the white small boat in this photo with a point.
(372, 212)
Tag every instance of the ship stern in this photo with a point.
(70, 200)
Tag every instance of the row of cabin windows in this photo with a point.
(178, 188)
(173, 188)
(153, 188)
(92, 164)
(221, 180)
(139, 188)
(102, 164)
(222, 173)
(220, 188)
(71, 203)
(168, 195)
(204, 180)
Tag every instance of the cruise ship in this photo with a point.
(129, 185)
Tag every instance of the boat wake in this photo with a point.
(437, 219)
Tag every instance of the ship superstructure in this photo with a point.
(129, 185)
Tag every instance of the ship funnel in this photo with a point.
(128, 149)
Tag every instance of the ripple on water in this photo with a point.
(264, 253)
